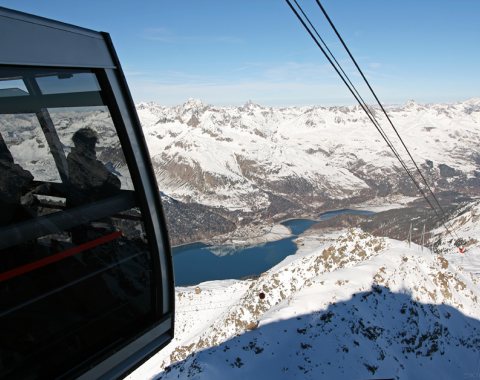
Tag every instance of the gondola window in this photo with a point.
(75, 268)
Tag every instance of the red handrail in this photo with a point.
(58, 256)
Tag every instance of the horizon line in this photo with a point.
(249, 101)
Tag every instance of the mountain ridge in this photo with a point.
(235, 157)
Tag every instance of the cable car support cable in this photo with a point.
(362, 103)
(378, 101)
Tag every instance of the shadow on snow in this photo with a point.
(376, 334)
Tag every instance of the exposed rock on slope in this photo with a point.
(311, 157)
(345, 306)
(189, 222)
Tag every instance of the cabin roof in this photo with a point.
(38, 41)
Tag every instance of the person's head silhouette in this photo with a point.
(85, 139)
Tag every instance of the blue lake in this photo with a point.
(198, 262)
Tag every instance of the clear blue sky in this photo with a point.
(227, 51)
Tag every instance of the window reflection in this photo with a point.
(14, 183)
(12, 87)
(67, 82)
(75, 269)
(27, 143)
(108, 148)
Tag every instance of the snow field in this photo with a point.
(348, 305)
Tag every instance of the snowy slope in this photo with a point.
(236, 156)
(251, 158)
(465, 227)
(346, 305)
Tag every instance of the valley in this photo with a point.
(364, 296)
(255, 165)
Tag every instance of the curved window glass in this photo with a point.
(75, 268)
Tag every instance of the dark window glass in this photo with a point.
(75, 269)
(28, 146)
(67, 82)
(12, 87)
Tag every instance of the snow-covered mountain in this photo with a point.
(347, 305)
(223, 167)
(255, 158)
(465, 230)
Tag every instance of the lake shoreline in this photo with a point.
(264, 233)
(199, 262)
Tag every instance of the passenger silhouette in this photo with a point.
(14, 207)
(14, 182)
(89, 178)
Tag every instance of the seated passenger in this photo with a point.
(15, 207)
(14, 182)
(89, 179)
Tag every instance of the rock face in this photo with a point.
(447, 171)
(188, 222)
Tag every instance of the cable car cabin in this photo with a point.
(86, 281)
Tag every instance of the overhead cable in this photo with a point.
(361, 102)
(378, 101)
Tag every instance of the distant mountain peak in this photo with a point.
(411, 103)
(472, 101)
(193, 103)
(146, 105)
(250, 105)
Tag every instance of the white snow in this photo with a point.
(347, 305)
(242, 148)
(385, 204)
(465, 226)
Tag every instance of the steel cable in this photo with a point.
(362, 103)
